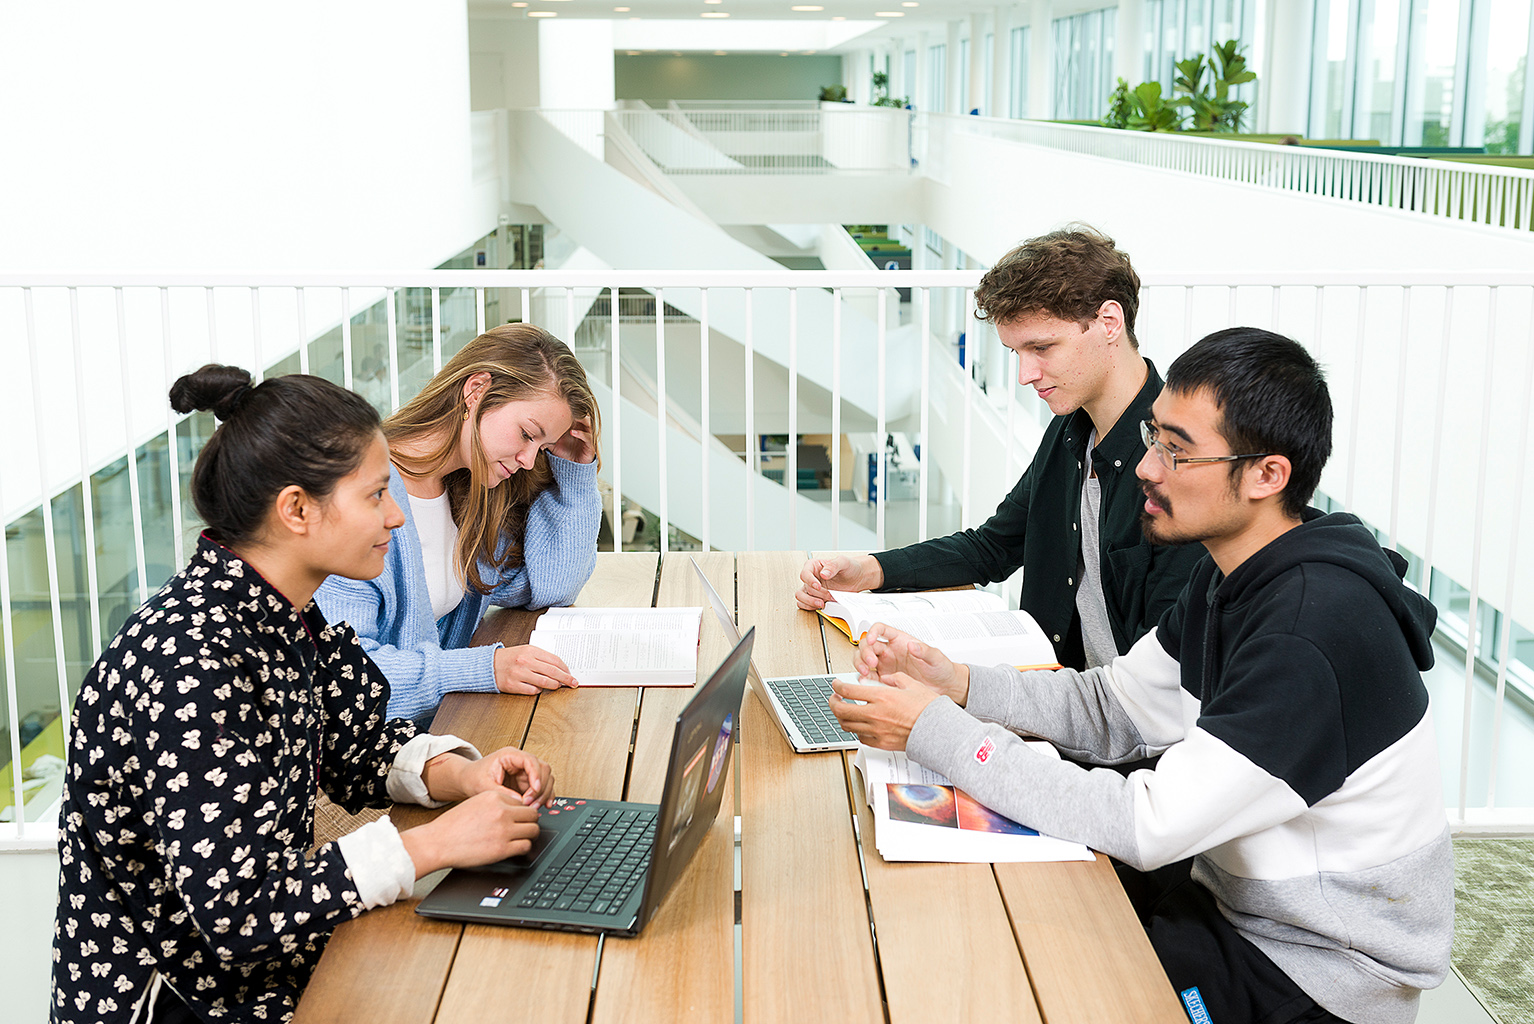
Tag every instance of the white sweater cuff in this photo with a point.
(380, 867)
(405, 783)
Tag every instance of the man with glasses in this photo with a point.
(1298, 767)
(1065, 303)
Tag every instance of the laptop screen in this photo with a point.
(726, 620)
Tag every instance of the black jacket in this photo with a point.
(1038, 526)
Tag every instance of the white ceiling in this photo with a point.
(839, 22)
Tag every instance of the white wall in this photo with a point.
(194, 137)
(29, 887)
(179, 135)
(503, 63)
(575, 65)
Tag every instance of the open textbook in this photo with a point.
(919, 815)
(967, 625)
(623, 646)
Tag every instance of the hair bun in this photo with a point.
(214, 388)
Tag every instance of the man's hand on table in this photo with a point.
(903, 676)
(820, 576)
(886, 651)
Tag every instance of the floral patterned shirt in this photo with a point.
(200, 740)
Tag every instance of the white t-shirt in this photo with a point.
(439, 536)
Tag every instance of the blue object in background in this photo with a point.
(961, 348)
(873, 477)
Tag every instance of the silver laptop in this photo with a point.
(799, 704)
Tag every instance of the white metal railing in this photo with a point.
(1407, 460)
(1497, 196)
(720, 139)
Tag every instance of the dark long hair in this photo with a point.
(295, 429)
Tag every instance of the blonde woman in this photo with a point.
(495, 467)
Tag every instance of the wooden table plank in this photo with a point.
(682, 967)
(679, 588)
(584, 735)
(390, 964)
(937, 920)
(622, 579)
(807, 953)
(1086, 952)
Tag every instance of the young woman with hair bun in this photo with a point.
(205, 730)
(495, 466)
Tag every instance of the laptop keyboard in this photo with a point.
(608, 863)
(805, 700)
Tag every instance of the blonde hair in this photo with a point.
(524, 362)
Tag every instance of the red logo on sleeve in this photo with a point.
(985, 750)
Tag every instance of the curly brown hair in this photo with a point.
(1066, 274)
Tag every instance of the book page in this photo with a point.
(608, 658)
(862, 610)
(674, 619)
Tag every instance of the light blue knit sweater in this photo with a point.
(425, 659)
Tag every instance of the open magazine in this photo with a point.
(920, 816)
(971, 626)
(623, 646)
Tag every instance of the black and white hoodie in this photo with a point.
(1298, 761)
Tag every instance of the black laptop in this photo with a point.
(605, 865)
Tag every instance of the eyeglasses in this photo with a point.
(1148, 435)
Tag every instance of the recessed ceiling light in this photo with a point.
(542, 14)
(889, 14)
(714, 14)
(620, 10)
(519, 5)
(807, 7)
(909, 3)
(713, 1)
(838, 17)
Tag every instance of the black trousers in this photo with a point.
(1219, 975)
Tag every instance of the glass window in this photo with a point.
(1329, 80)
(1430, 81)
(988, 72)
(1017, 105)
(1084, 77)
(1506, 75)
(937, 78)
(1375, 103)
(965, 101)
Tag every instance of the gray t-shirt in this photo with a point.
(1096, 630)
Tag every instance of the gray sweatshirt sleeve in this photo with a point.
(1202, 792)
(997, 768)
(1133, 707)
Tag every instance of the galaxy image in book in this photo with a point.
(948, 807)
(924, 805)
